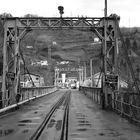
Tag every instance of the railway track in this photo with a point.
(55, 124)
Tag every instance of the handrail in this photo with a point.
(125, 103)
(94, 93)
(26, 94)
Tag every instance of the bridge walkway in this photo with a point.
(89, 122)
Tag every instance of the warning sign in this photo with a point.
(112, 81)
(111, 78)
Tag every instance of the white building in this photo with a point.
(98, 77)
(97, 81)
(28, 80)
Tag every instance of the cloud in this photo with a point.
(124, 8)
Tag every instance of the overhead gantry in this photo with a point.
(15, 28)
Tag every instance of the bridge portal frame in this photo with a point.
(15, 28)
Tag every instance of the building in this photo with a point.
(69, 82)
(31, 80)
(97, 81)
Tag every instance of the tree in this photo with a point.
(135, 46)
(128, 44)
(30, 15)
(5, 15)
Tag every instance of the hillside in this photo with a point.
(60, 45)
(56, 46)
(63, 45)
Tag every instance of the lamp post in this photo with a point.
(85, 71)
(61, 8)
(56, 76)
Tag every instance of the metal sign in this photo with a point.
(111, 78)
(111, 81)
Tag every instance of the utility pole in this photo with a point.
(91, 72)
(85, 71)
(82, 74)
(49, 53)
(105, 12)
(55, 76)
(79, 72)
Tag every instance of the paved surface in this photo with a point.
(86, 122)
(21, 124)
(89, 122)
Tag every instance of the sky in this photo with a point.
(128, 10)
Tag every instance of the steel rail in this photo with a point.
(64, 134)
(38, 132)
(64, 100)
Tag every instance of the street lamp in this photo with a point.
(61, 8)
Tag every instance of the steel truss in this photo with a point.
(15, 28)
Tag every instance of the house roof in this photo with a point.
(22, 78)
(31, 74)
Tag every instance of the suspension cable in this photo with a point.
(127, 58)
(21, 54)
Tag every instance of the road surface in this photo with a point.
(87, 121)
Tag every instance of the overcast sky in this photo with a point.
(128, 10)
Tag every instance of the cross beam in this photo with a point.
(46, 23)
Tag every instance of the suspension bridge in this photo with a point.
(93, 110)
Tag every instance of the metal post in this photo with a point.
(116, 51)
(4, 66)
(17, 66)
(91, 72)
(105, 12)
(79, 72)
(55, 77)
(85, 71)
(82, 74)
(104, 96)
(49, 64)
(16, 62)
(49, 53)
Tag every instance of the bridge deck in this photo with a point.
(87, 121)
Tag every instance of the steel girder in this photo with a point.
(15, 28)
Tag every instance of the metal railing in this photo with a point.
(124, 103)
(127, 104)
(93, 93)
(25, 94)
